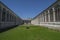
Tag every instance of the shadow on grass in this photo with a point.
(6, 29)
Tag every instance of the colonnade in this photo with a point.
(6, 15)
(47, 16)
(8, 18)
(50, 16)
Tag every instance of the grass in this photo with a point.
(34, 33)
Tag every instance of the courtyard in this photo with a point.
(33, 33)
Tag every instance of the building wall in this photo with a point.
(50, 16)
(36, 21)
(7, 17)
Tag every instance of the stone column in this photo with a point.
(45, 16)
(9, 17)
(0, 13)
(41, 18)
(38, 19)
(48, 16)
(5, 16)
(53, 14)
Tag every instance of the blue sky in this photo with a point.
(27, 8)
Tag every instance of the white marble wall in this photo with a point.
(43, 21)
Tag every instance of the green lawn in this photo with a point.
(34, 33)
